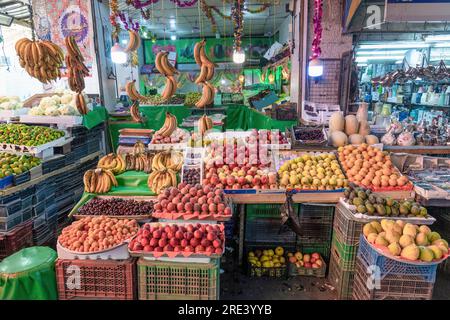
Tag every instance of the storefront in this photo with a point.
(212, 150)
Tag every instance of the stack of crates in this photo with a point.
(98, 279)
(442, 226)
(164, 280)
(16, 239)
(344, 246)
(380, 278)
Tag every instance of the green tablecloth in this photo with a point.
(238, 117)
(131, 183)
(95, 117)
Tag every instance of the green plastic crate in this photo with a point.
(159, 280)
(341, 280)
(345, 254)
(266, 210)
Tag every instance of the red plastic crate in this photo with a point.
(98, 279)
(18, 238)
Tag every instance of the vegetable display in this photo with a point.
(21, 134)
(60, 104)
(93, 234)
(405, 240)
(116, 207)
(189, 238)
(10, 103)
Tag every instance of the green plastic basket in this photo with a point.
(266, 210)
(178, 281)
(341, 280)
(345, 254)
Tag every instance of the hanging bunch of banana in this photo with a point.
(113, 162)
(77, 70)
(99, 180)
(169, 126)
(135, 41)
(204, 124)
(134, 111)
(164, 67)
(206, 74)
(41, 59)
(132, 92)
(139, 147)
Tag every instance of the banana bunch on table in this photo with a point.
(99, 181)
(113, 162)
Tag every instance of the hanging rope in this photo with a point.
(30, 10)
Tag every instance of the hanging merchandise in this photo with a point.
(114, 7)
(206, 74)
(238, 22)
(164, 67)
(317, 21)
(134, 111)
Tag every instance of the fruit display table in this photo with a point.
(435, 150)
(238, 117)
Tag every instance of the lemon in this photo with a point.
(251, 254)
(264, 258)
(271, 252)
(282, 260)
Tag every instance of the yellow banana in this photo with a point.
(197, 48)
(202, 75)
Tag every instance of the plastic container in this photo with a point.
(27, 203)
(27, 214)
(21, 178)
(391, 287)
(268, 230)
(7, 199)
(6, 182)
(112, 280)
(175, 281)
(18, 238)
(7, 223)
(119, 252)
(25, 193)
(345, 253)
(11, 208)
(293, 271)
(340, 279)
(391, 267)
(323, 248)
(265, 210)
(316, 223)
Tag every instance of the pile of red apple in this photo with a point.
(189, 199)
(188, 238)
(266, 137)
(237, 151)
(313, 260)
(240, 177)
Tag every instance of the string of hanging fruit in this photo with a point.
(164, 67)
(206, 74)
(41, 59)
(77, 70)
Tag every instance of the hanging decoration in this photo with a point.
(114, 6)
(185, 3)
(317, 24)
(128, 24)
(208, 12)
(238, 22)
(137, 4)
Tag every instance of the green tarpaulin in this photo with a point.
(95, 117)
(238, 117)
(29, 275)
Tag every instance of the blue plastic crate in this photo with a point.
(392, 267)
(51, 212)
(27, 214)
(39, 196)
(39, 208)
(6, 182)
(22, 178)
(10, 198)
(8, 223)
(8, 209)
(27, 192)
(27, 203)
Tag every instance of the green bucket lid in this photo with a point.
(28, 259)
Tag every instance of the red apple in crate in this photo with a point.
(199, 249)
(194, 242)
(307, 265)
(156, 234)
(162, 243)
(315, 255)
(319, 263)
(189, 249)
(306, 258)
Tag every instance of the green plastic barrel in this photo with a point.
(29, 274)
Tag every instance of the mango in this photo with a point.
(411, 252)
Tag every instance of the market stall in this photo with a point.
(201, 169)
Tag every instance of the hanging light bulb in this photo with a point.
(118, 55)
(238, 56)
(315, 68)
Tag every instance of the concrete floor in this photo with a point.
(235, 285)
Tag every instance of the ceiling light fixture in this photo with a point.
(406, 45)
(315, 68)
(173, 37)
(6, 20)
(238, 56)
(118, 55)
(436, 38)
